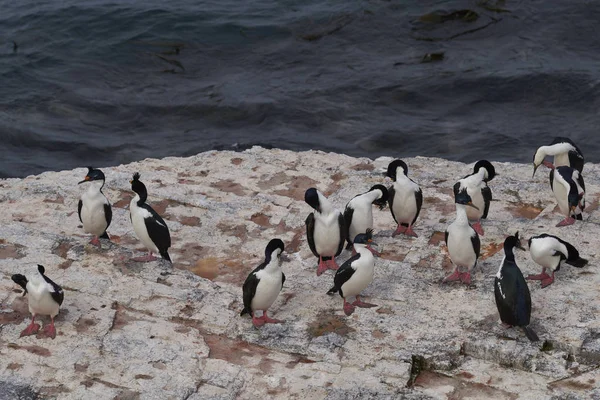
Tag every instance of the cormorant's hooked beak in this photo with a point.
(470, 204)
(284, 257)
(573, 208)
(520, 246)
(535, 167)
(86, 179)
(370, 242)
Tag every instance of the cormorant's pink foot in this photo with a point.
(147, 258)
(548, 281)
(400, 229)
(465, 277)
(477, 227)
(49, 331)
(353, 251)
(409, 232)
(362, 304)
(322, 266)
(539, 277)
(453, 277)
(548, 164)
(566, 222)
(348, 308)
(506, 326)
(258, 321)
(331, 264)
(372, 250)
(95, 241)
(32, 329)
(270, 320)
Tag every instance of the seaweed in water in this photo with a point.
(439, 17)
(430, 57)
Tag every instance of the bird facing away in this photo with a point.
(569, 189)
(355, 274)
(44, 298)
(481, 194)
(94, 208)
(358, 215)
(511, 291)
(461, 239)
(148, 226)
(324, 230)
(263, 284)
(550, 252)
(565, 152)
(405, 198)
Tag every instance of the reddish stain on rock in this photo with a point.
(229, 186)
(384, 310)
(260, 219)
(81, 367)
(326, 322)
(11, 250)
(207, 268)
(269, 181)
(58, 199)
(491, 249)
(65, 264)
(239, 231)
(297, 187)
(37, 350)
(14, 366)
(525, 210)
(124, 200)
(363, 167)
(84, 324)
(234, 351)
(236, 161)
(437, 238)
(62, 248)
(189, 221)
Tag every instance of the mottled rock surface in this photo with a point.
(130, 330)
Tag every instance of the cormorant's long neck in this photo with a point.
(508, 253)
(143, 195)
(461, 214)
(273, 263)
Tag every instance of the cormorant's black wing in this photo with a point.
(344, 273)
(310, 230)
(486, 192)
(282, 280)
(249, 289)
(391, 195)
(552, 179)
(502, 303)
(419, 200)
(79, 206)
(476, 242)
(57, 292)
(343, 234)
(157, 229)
(107, 214)
(348, 212)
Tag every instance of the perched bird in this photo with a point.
(324, 229)
(565, 153)
(461, 239)
(511, 291)
(569, 189)
(148, 226)
(358, 215)
(45, 298)
(263, 284)
(481, 194)
(550, 251)
(405, 198)
(355, 274)
(94, 208)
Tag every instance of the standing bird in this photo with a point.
(569, 189)
(45, 298)
(148, 226)
(461, 239)
(358, 215)
(94, 208)
(405, 198)
(324, 229)
(511, 291)
(263, 284)
(550, 251)
(481, 194)
(355, 274)
(565, 153)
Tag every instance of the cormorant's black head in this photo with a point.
(393, 167)
(491, 171)
(511, 242)
(311, 197)
(381, 202)
(20, 280)
(274, 245)
(462, 197)
(364, 238)
(138, 187)
(93, 175)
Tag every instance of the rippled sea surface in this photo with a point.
(102, 82)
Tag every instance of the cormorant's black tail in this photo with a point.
(333, 290)
(104, 236)
(164, 254)
(579, 263)
(244, 311)
(531, 335)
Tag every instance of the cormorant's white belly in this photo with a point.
(138, 215)
(267, 290)
(358, 282)
(92, 214)
(460, 247)
(361, 221)
(327, 235)
(560, 192)
(42, 303)
(477, 199)
(404, 206)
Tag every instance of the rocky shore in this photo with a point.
(130, 330)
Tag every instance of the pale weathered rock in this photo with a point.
(129, 330)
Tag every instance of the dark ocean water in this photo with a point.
(87, 84)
